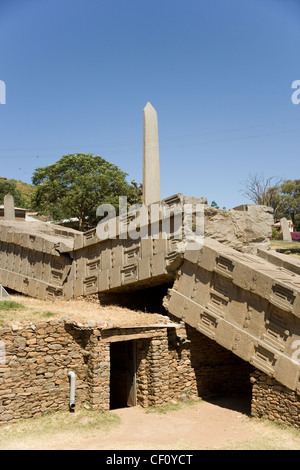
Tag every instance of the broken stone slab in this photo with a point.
(280, 259)
(244, 230)
(244, 303)
(38, 236)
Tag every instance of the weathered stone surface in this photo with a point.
(151, 172)
(286, 234)
(244, 230)
(244, 303)
(281, 260)
(46, 261)
(9, 207)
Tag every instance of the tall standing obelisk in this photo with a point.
(151, 173)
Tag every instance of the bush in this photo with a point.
(275, 233)
(295, 236)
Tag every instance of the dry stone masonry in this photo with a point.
(34, 376)
(271, 400)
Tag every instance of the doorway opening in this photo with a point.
(122, 374)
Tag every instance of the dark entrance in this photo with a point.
(122, 374)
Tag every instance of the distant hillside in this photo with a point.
(22, 192)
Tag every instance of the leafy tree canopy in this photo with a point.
(215, 205)
(19, 190)
(77, 184)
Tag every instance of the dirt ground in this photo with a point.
(202, 426)
(222, 424)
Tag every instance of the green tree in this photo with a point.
(214, 205)
(77, 184)
(10, 187)
(289, 202)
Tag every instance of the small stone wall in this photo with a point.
(34, 369)
(211, 369)
(171, 363)
(273, 401)
(218, 371)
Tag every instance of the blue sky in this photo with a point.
(78, 74)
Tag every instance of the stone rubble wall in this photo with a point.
(273, 401)
(34, 370)
(172, 365)
(218, 371)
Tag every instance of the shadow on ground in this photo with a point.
(239, 403)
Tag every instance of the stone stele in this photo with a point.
(151, 173)
(9, 207)
(286, 234)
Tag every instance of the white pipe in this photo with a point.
(72, 378)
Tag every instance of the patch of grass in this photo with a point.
(11, 305)
(46, 314)
(81, 423)
(12, 310)
(273, 436)
(276, 426)
(269, 442)
(261, 443)
(284, 244)
(49, 314)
